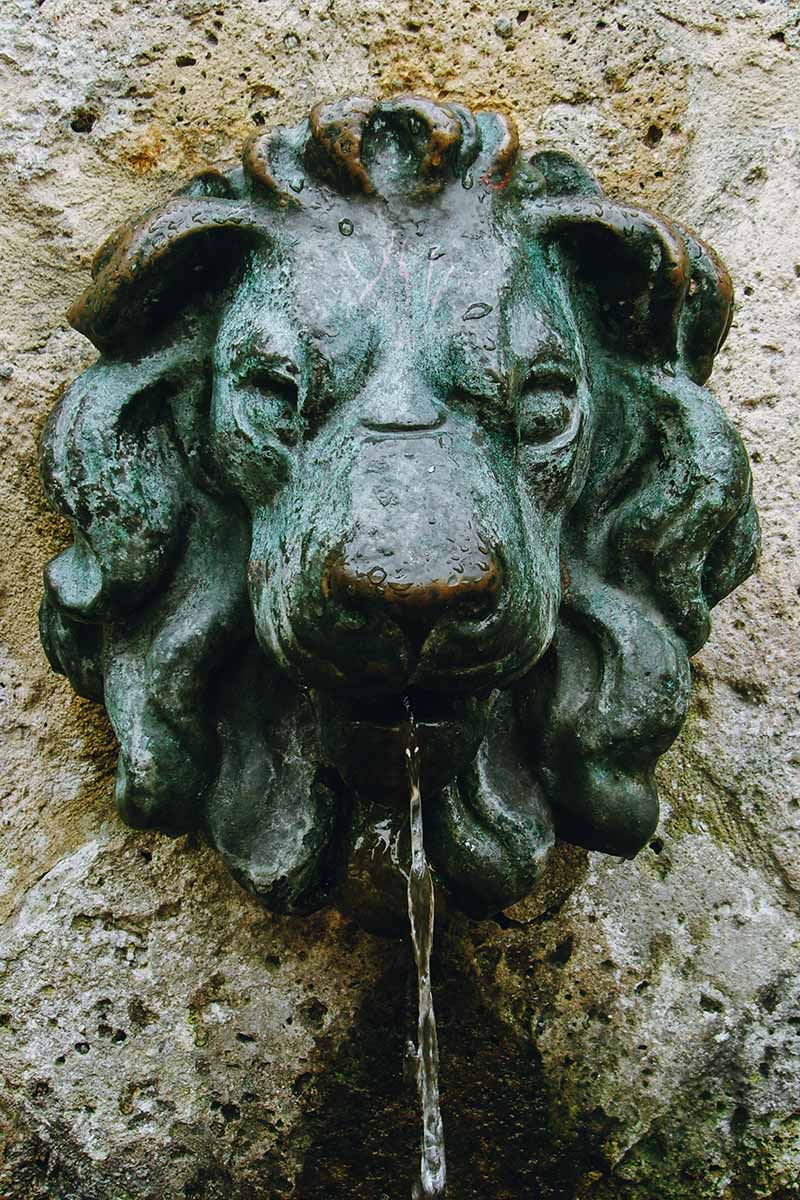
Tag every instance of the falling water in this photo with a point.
(431, 1181)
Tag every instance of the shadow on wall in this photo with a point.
(508, 1136)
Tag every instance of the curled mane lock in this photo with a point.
(176, 493)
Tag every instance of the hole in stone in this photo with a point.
(139, 1013)
(563, 951)
(228, 1111)
(83, 120)
(654, 135)
(739, 1118)
(314, 1012)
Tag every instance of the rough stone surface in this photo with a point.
(633, 1030)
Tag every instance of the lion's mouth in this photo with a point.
(366, 738)
(426, 707)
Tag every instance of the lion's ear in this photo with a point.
(633, 265)
(707, 310)
(659, 292)
(114, 463)
(163, 259)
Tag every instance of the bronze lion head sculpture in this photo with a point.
(389, 413)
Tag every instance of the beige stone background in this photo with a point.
(631, 1032)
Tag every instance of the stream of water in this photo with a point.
(432, 1171)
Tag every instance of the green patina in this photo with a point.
(387, 411)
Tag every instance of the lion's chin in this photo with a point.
(366, 739)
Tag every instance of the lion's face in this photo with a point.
(392, 415)
(407, 424)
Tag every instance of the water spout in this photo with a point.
(432, 1170)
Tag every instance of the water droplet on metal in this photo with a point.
(476, 311)
(436, 252)
(345, 227)
(489, 344)
(467, 180)
(297, 184)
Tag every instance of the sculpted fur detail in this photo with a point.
(389, 410)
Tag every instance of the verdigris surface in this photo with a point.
(391, 411)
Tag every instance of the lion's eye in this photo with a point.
(545, 408)
(275, 387)
(275, 407)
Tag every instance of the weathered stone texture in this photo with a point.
(631, 1031)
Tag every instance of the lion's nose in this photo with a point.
(415, 589)
(417, 548)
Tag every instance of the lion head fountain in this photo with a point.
(387, 412)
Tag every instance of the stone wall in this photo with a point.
(633, 1030)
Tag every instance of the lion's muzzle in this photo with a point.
(417, 552)
(414, 567)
